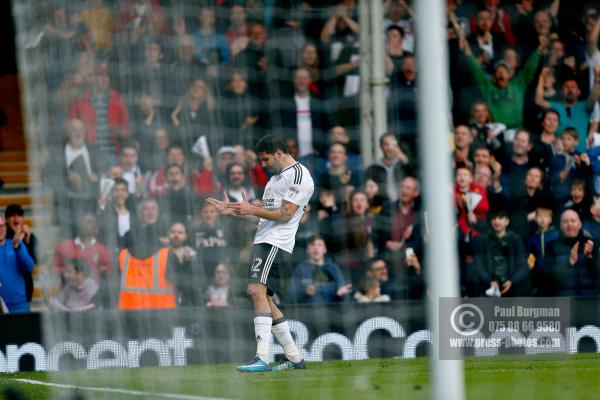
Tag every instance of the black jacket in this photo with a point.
(518, 271)
(563, 279)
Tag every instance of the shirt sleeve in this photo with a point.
(592, 61)
(595, 114)
(300, 192)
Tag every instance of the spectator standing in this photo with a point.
(592, 224)
(104, 113)
(402, 103)
(14, 261)
(132, 172)
(538, 245)
(211, 46)
(500, 260)
(253, 61)
(571, 264)
(15, 220)
(568, 166)
(117, 216)
(399, 228)
(583, 115)
(188, 274)
(237, 185)
(178, 202)
(339, 177)
(240, 113)
(186, 68)
(237, 34)
(486, 45)
(393, 166)
(356, 238)
(85, 246)
(77, 190)
(304, 116)
(99, 20)
(547, 145)
(210, 238)
(194, 117)
(504, 94)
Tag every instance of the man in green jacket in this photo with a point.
(505, 92)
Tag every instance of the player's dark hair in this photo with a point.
(270, 144)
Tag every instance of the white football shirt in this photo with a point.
(293, 184)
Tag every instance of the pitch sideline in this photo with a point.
(113, 390)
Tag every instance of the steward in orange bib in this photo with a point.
(144, 283)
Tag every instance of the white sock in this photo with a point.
(281, 331)
(262, 331)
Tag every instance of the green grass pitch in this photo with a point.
(505, 377)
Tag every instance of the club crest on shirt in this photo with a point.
(293, 191)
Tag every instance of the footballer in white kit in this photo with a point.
(284, 201)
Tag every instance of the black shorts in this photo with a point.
(267, 260)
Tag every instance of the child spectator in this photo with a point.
(580, 200)
(318, 279)
(79, 290)
(500, 260)
(370, 292)
(471, 204)
(538, 242)
(219, 292)
(567, 166)
(592, 224)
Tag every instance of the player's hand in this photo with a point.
(222, 206)
(241, 207)
(494, 284)
(311, 290)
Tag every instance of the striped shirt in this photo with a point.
(295, 185)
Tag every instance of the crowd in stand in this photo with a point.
(156, 105)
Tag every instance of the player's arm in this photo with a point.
(281, 214)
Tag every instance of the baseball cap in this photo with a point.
(504, 64)
(13, 209)
(226, 150)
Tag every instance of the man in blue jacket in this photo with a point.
(319, 279)
(14, 262)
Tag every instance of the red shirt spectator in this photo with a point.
(471, 203)
(97, 256)
(85, 246)
(116, 110)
